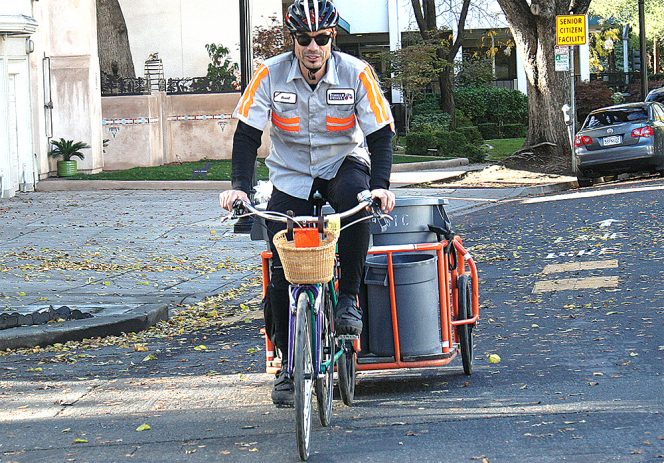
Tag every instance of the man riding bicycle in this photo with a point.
(331, 132)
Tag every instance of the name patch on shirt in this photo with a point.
(284, 97)
(341, 96)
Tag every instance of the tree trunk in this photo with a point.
(446, 83)
(533, 29)
(113, 41)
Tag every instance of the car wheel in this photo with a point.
(584, 181)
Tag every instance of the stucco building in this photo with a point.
(49, 87)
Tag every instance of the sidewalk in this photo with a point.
(127, 257)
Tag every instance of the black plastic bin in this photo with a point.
(418, 305)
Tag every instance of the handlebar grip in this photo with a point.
(238, 207)
(378, 213)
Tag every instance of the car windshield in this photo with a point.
(656, 96)
(616, 116)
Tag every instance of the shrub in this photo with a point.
(472, 134)
(461, 119)
(474, 153)
(427, 104)
(492, 104)
(430, 122)
(420, 142)
(513, 131)
(450, 142)
(591, 95)
(489, 130)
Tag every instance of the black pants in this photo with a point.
(341, 192)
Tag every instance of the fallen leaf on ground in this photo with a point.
(144, 427)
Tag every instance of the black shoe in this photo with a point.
(283, 391)
(348, 317)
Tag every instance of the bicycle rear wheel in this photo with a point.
(325, 383)
(346, 371)
(303, 375)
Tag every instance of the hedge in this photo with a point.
(446, 143)
(492, 104)
(513, 131)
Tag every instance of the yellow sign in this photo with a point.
(571, 29)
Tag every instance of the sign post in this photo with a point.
(571, 30)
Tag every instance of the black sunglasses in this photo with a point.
(305, 40)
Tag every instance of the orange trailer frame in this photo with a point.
(449, 309)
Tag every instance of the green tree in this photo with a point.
(222, 73)
(412, 68)
(446, 46)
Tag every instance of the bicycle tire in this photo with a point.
(347, 372)
(325, 383)
(465, 298)
(303, 376)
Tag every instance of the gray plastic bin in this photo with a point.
(412, 217)
(418, 304)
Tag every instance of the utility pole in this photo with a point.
(245, 44)
(642, 51)
(244, 224)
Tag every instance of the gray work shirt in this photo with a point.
(313, 131)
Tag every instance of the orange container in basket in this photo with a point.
(306, 237)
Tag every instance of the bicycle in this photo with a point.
(309, 261)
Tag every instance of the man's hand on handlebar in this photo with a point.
(386, 198)
(227, 198)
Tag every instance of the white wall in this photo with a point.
(180, 29)
(16, 142)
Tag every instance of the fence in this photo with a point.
(157, 129)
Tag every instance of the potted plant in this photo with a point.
(67, 149)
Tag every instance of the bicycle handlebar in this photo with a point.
(364, 198)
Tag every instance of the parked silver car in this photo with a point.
(656, 95)
(620, 139)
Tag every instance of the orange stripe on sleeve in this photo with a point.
(248, 97)
(374, 99)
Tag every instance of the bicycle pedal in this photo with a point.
(348, 337)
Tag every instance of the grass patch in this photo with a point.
(219, 170)
(503, 147)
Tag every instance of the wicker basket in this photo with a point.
(307, 265)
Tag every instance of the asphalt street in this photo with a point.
(572, 302)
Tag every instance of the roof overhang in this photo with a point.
(17, 25)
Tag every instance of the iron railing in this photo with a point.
(194, 85)
(120, 86)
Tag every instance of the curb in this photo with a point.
(429, 165)
(90, 185)
(520, 192)
(43, 335)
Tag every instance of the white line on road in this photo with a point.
(577, 266)
(589, 194)
(568, 284)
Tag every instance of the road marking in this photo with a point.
(567, 284)
(576, 266)
(589, 194)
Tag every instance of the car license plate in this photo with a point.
(614, 140)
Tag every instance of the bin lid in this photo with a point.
(420, 201)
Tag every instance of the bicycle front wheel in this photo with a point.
(303, 375)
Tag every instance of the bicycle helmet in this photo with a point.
(311, 16)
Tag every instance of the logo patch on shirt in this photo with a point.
(341, 96)
(284, 97)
